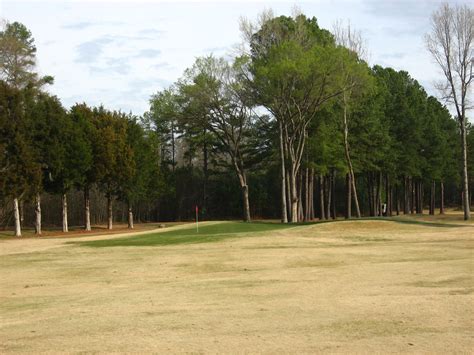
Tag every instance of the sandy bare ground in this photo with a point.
(357, 286)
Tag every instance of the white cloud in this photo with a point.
(119, 53)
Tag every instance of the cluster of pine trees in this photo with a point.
(298, 127)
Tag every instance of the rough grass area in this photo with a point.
(364, 286)
(203, 234)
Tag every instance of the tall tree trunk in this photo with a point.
(16, 212)
(348, 196)
(64, 203)
(465, 179)
(328, 188)
(87, 209)
(406, 207)
(241, 175)
(245, 197)
(370, 190)
(288, 194)
(322, 205)
(441, 202)
(387, 195)
(284, 214)
(354, 193)
(109, 210)
(422, 197)
(432, 197)
(311, 195)
(417, 197)
(38, 214)
(333, 194)
(349, 163)
(379, 194)
(294, 196)
(412, 192)
(301, 211)
(130, 216)
(306, 194)
(397, 199)
(390, 198)
(22, 211)
(375, 193)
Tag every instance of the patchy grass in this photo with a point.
(359, 286)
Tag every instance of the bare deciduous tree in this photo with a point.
(352, 80)
(450, 42)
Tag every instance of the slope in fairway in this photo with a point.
(207, 233)
(371, 286)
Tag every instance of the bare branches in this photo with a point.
(451, 43)
(350, 38)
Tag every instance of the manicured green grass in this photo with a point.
(207, 233)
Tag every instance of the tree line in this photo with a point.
(283, 130)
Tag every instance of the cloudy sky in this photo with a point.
(118, 53)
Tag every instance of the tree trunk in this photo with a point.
(412, 199)
(130, 216)
(109, 211)
(294, 196)
(87, 209)
(421, 197)
(245, 197)
(301, 212)
(322, 206)
(354, 193)
(465, 179)
(432, 197)
(288, 195)
(417, 197)
(38, 214)
(328, 188)
(387, 195)
(349, 164)
(378, 203)
(16, 212)
(22, 212)
(397, 199)
(406, 207)
(348, 195)
(370, 193)
(284, 215)
(306, 194)
(441, 202)
(64, 203)
(311, 195)
(333, 195)
(390, 199)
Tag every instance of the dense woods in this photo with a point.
(296, 127)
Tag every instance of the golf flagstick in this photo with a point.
(197, 219)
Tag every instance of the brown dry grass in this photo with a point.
(355, 286)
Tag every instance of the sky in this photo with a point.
(118, 53)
